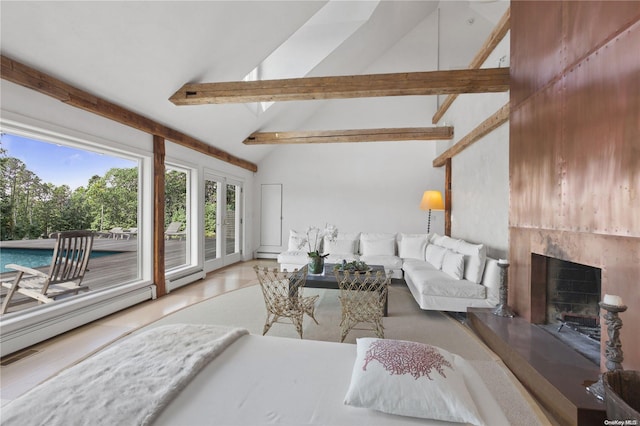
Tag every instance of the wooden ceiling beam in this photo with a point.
(487, 126)
(26, 76)
(343, 87)
(497, 34)
(342, 136)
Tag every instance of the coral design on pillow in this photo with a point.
(400, 357)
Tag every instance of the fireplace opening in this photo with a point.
(572, 315)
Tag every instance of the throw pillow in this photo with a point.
(435, 255)
(411, 379)
(453, 264)
(475, 259)
(412, 247)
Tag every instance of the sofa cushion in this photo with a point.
(344, 236)
(297, 240)
(475, 256)
(375, 247)
(340, 246)
(434, 254)
(389, 262)
(433, 282)
(296, 257)
(453, 264)
(412, 246)
(446, 242)
(339, 257)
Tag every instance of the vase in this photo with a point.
(316, 264)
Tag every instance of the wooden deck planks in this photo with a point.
(106, 271)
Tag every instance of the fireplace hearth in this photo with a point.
(573, 291)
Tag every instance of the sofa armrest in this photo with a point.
(491, 280)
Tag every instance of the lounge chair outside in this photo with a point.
(173, 230)
(70, 259)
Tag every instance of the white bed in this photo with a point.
(248, 380)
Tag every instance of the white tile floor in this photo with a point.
(67, 349)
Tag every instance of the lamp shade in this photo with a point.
(432, 200)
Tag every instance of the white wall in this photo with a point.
(369, 187)
(356, 187)
(377, 186)
(480, 173)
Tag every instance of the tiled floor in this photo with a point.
(60, 352)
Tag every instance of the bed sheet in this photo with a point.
(262, 380)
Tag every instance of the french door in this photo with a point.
(222, 221)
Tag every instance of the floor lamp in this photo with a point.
(431, 200)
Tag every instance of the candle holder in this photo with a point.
(613, 346)
(503, 309)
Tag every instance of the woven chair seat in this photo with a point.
(283, 296)
(362, 298)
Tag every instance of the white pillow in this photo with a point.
(453, 264)
(411, 379)
(435, 255)
(475, 259)
(297, 241)
(339, 246)
(383, 247)
(447, 242)
(412, 247)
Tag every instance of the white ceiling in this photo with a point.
(138, 53)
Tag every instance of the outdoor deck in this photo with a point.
(103, 271)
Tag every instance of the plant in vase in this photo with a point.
(314, 237)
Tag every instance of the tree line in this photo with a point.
(31, 208)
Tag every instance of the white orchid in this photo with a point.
(315, 236)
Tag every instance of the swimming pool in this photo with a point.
(34, 258)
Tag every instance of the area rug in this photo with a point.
(406, 321)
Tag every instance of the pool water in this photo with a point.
(34, 258)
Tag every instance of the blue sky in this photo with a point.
(60, 165)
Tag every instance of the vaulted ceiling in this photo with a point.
(137, 54)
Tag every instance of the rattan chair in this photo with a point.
(69, 263)
(362, 296)
(283, 296)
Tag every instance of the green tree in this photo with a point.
(175, 197)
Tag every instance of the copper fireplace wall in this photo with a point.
(574, 160)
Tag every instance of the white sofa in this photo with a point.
(452, 276)
(372, 248)
(442, 273)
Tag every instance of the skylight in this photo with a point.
(311, 43)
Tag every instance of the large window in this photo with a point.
(222, 221)
(49, 185)
(177, 218)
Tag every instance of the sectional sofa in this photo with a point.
(442, 273)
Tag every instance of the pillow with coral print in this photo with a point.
(411, 379)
